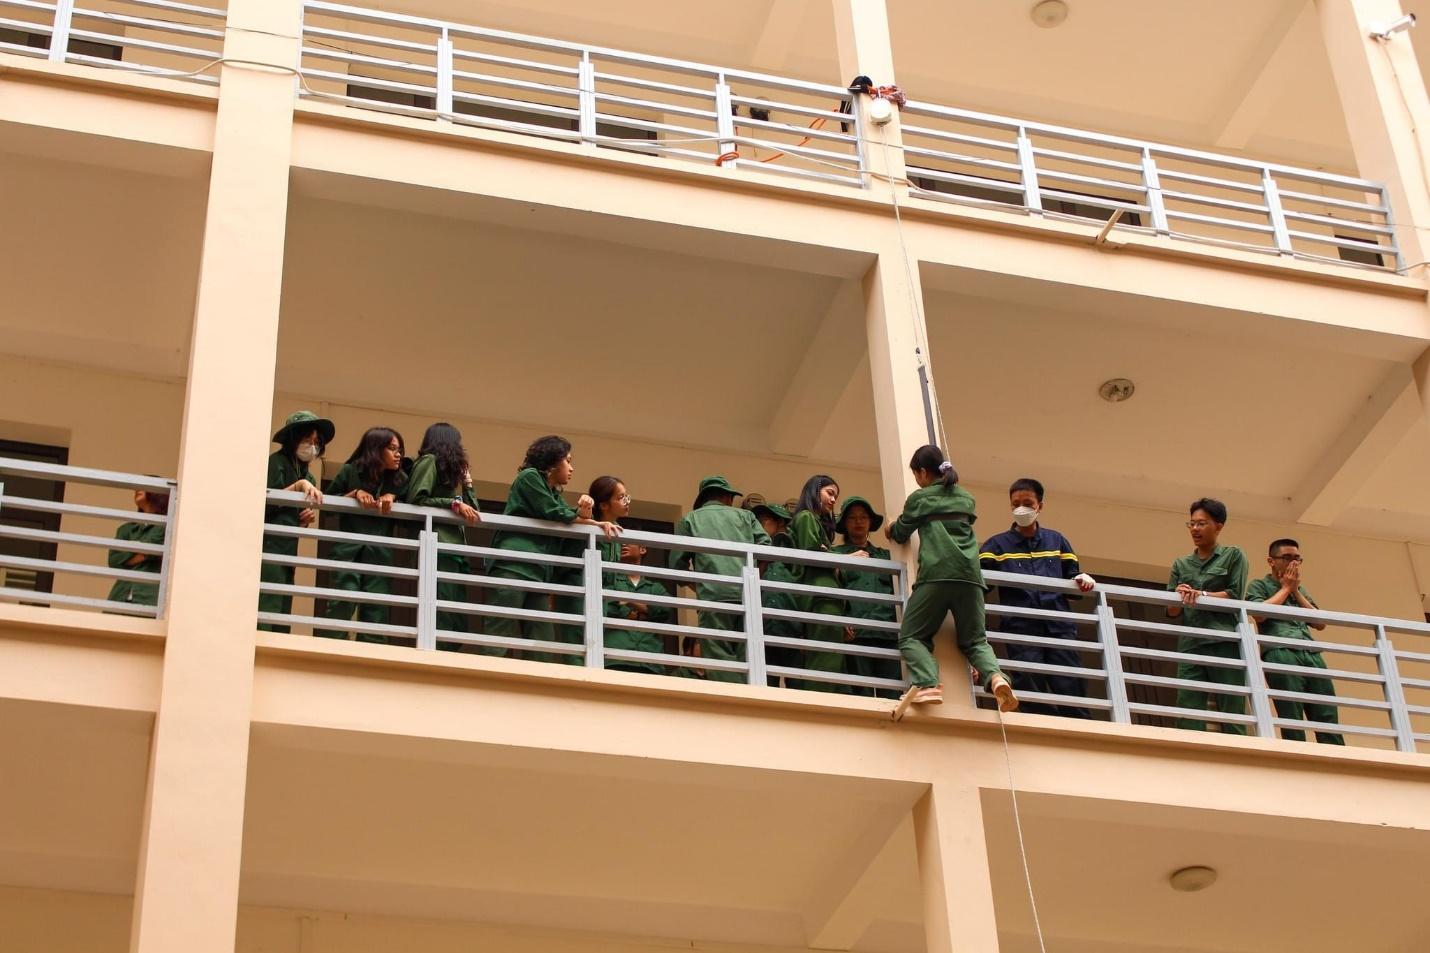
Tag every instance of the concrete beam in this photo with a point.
(780, 33)
(841, 907)
(829, 364)
(1256, 89)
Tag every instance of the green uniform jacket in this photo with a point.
(809, 533)
(948, 550)
(636, 641)
(283, 472)
(367, 521)
(142, 593)
(1264, 588)
(532, 497)
(1223, 571)
(717, 521)
(422, 490)
(869, 582)
(783, 601)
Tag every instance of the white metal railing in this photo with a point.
(983, 159)
(141, 586)
(609, 98)
(160, 37)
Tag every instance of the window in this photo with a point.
(30, 580)
(1359, 256)
(39, 41)
(1012, 195)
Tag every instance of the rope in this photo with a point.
(1018, 826)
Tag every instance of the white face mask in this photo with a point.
(307, 452)
(1025, 516)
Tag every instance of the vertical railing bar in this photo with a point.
(1032, 192)
(586, 88)
(427, 588)
(1394, 692)
(1112, 661)
(725, 120)
(60, 35)
(1275, 213)
(1255, 676)
(444, 76)
(754, 621)
(1152, 182)
(1384, 194)
(593, 605)
(161, 599)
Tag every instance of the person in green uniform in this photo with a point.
(950, 580)
(536, 494)
(1282, 587)
(1219, 572)
(714, 516)
(372, 476)
(139, 593)
(776, 519)
(442, 477)
(633, 587)
(300, 440)
(857, 519)
(813, 530)
(610, 503)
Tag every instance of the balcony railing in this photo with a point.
(160, 37)
(41, 549)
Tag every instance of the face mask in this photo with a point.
(307, 452)
(1025, 516)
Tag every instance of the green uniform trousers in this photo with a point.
(524, 599)
(721, 650)
(452, 592)
(1197, 700)
(818, 661)
(928, 605)
(269, 572)
(1307, 684)
(359, 582)
(574, 634)
(877, 667)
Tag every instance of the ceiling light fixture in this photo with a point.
(1117, 390)
(1049, 13)
(1192, 879)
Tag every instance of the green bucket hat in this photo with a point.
(755, 502)
(876, 519)
(305, 419)
(712, 485)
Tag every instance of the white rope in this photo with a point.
(1018, 825)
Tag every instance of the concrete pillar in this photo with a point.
(953, 870)
(186, 892)
(861, 30)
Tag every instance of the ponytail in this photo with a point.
(931, 458)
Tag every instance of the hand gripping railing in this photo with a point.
(160, 37)
(983, 159)
(456, 73)
(134, 578)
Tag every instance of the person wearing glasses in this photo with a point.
(1282, 587)
(1214, 571)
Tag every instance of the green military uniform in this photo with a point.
(1261, 590)
(138, 593)
(422, 490)
(371, 524)
(782, 602)
(532, 497)
(283, 472)
(950, 580)
(714, 520)
(873, 582)
(625, 639)
(1223, 571)
(810, 533)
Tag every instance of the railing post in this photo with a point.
(754, 621)
(1255, 677)
(1275, 212)
(1394, 693)
(168, 548)
(444, 77)
(593, 605)
(1112, 661)
(427, 588)
(586, 84)
(1032, 193)
(1384, 194)
(60, 35)
(725, 120)
(1152, 182)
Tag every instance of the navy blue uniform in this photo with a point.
(1048, 554)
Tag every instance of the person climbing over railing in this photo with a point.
(301, 440)
(949, 580)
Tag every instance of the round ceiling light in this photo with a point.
(1049, 13)
(1192, 879)
(1117, 390)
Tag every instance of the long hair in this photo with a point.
(545, 452)
(297, 436)
(931, 458)
(809, 500)
(444, 442)
(367, 456)
(603, 491)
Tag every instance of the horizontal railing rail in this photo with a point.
(158, 37)
(43, 557)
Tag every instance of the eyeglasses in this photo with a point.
(1294, 558)
(1198, 524)
(624, 498)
